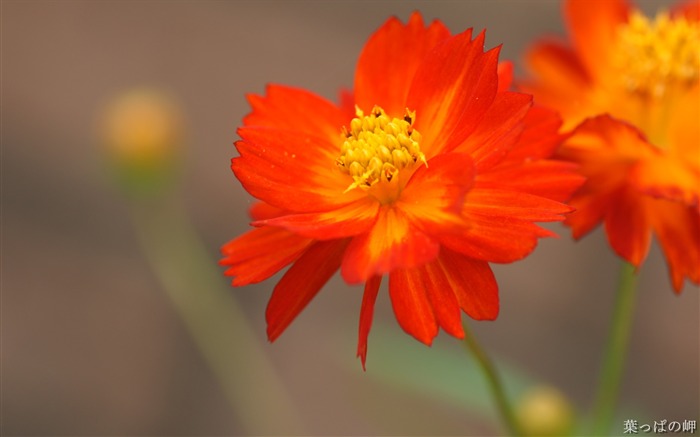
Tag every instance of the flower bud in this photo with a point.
(142, 132)
(545, 411)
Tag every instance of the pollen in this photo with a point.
(376, 148)
(654, 55)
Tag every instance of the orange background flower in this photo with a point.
(641, 75)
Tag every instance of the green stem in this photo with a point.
(616, 351)
(494, 382)
(214, 319)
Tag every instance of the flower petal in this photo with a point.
(561, 80)
(603, 141)
(393, 242)
(593, 29)
(668, 177)
(678, 230)
(442, 298)
(505, 75)
(497, 132)
(288, 170)
(606, 150)
(394, 51)
(301, 283)
(627, 226)
(411, 304)
(281, 106)
(472, 282)
(555, 180)
(260, 253)
(690, 9)
(540, 137)
(348, 220)
(492, 238)
(264, 211)
(684, 129)
(366, 314)
(435, 193)
(497, 202)
(526, 168)
(590, 207)
(454, 87)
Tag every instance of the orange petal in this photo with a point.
(505, 75)
(435, 194)
(689, 9)
(678, 230)
(603, 141)
(540, 137)
(390, 59)
(556, 180)
(491, 238)
(264, 211)
(298, 110)
(411, 304)
(301, 283)
(442, 298)
(348, 220)
(592, 201)
(454, 87)
(347, 103)
(593, 28)
(289, 171)
(515, 204)
(559, 80)
(260, 253)
(393, 242)
(589, 211)
(684, 128)
(497, 131)
(607, 150)
(668, 177)
(366, 314)
(628, 227)
(472, 282)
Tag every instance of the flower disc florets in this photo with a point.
(654, 54)
(377, 147)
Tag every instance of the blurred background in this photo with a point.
(92, 344)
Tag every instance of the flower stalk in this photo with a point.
(616, 351)
(214, 319)
(494, 381)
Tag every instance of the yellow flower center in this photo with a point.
(654, 55)
(377, 148)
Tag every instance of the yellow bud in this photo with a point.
(142, 132)
(544, 411)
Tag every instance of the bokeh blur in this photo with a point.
(93, 345)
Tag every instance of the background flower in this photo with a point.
(642, 157)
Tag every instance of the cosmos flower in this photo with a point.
(629, 87)
(425, 174)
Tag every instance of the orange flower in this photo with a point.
(640, 79)
(428, 172)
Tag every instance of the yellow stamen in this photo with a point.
(653, 55)
(377, 147)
